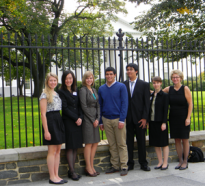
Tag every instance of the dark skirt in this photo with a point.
(73, 134)
(178, 128)
(56, 129)
(157, 137)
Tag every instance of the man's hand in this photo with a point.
(101, 127)
(143, 123)
(120, 125)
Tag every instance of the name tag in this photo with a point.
(75, 93)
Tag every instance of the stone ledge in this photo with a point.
(40, 152)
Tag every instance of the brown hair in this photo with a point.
(85, 76)
(157, 78)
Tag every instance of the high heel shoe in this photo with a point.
(88, 174)
(97, 173)
(183, 168)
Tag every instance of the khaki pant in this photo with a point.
(117, 143)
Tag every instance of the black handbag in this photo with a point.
(195, 155)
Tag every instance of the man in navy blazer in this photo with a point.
(137, 115)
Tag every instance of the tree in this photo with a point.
(47, 17)
(180, 22)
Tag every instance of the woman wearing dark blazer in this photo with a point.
(91, 109)
(158, 129)
(72, 117)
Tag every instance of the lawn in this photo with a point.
(25, 122)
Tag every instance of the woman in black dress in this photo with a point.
(180, 101)
(91, 108)
(72, 117)
(53, 128)
(158, 129)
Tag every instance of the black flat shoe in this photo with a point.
(158, 167)
(72, 176)
(178, 167)
(65, 181)
(183, 168)
(165, 168)
(52, 182)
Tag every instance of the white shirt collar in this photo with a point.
(111, 84)
(133, 81)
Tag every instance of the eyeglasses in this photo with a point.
(175, 77)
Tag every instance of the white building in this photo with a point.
(157, 68)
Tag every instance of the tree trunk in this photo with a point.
(20, 85)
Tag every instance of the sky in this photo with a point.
(70, 6)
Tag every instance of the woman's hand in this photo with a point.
(163, 126)
(187, 122)
(47, 136)
(95, 124)
(79, 121)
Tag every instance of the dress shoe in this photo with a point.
(88, 174)
(178, 167)
(165, 168)
(130, 167)
(111, 170)
(123, 172)
(158, 167)
(183, 168)
(73, 176)
(146, 168)
(79, 176)
(52, 182)
(97, 173)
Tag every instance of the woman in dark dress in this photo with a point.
(180, 101)
(91, 109)
(72, 118)
(53, 128)
(158, 129)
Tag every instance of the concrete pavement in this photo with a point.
(193, 176)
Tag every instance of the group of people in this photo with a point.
(123, 110)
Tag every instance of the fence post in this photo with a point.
(120, 47)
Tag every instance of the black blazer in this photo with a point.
(138, 106)
(161, 106)
(71, 108)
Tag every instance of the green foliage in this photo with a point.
(91, 18)
(180, 22)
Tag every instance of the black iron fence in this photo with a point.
(25, 60)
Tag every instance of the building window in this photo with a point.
(27, 84)
(8, 83)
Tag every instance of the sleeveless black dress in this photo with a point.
(178, 113)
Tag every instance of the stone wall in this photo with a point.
(23, 165)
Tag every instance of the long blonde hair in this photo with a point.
(47, 90)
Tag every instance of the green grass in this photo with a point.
(29, 124)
